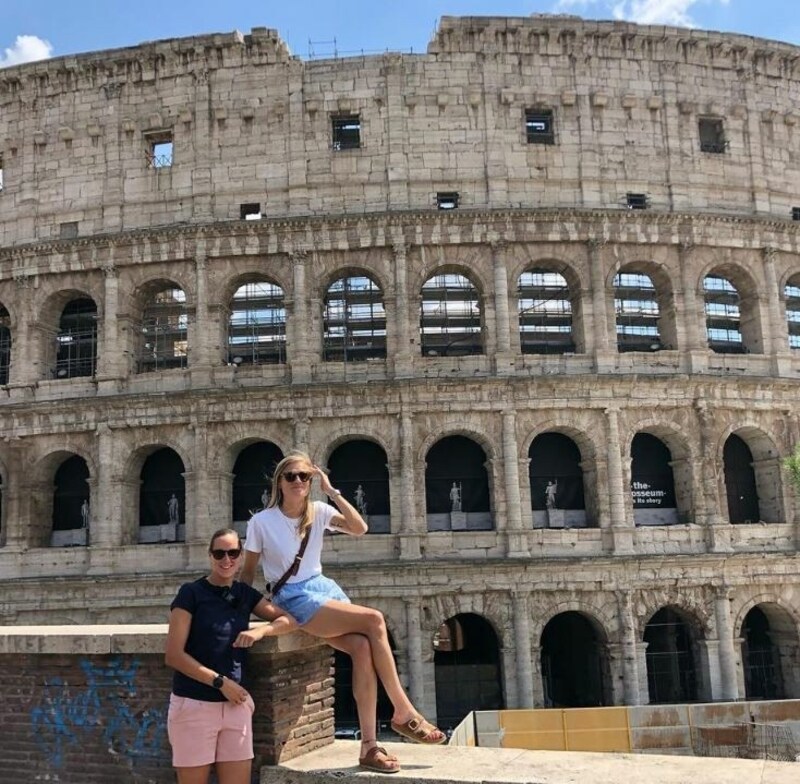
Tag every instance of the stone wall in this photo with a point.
(89, 704)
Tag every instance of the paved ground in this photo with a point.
(497, 766)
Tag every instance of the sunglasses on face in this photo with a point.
(218, 555)
(291, 476)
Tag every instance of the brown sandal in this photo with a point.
(378, 760)
(418, 730)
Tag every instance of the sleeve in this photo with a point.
(250, 597)
(252, 539)
(323, 514)
(185, 599)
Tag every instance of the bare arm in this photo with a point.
(248, 573)
(175, 656)
(280, 623)
(349, 520)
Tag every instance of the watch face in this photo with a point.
(217, 682)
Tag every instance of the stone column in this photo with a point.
(111, 362)
(16, 496)
(604, 349)
(416, 685)
(301, 424)
(630, 663)
(105, 529)
(199, 355)
(718, 533)
(778, 346)
(522, 642)
(200, 523)
(728, 669)
(516, 541)
(618, 496)
(503, 360)
(692, 312)
(410, 529)
(299, 356)
(27, 362)
(403, 357)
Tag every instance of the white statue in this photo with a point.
(85, 513)
(265, 498)
(173, 509)
(360, 497)
(455, 497)
(550, 494)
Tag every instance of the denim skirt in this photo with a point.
(302, 599)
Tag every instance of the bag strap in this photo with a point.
(293, 569)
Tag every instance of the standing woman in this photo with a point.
(274, 537)
(210, 712)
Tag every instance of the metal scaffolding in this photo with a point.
(165, 322)
(723, 316)
(257, 325)
(545, 313)
(450, 317)
(353, 321)
(76, 341)
(637, 312)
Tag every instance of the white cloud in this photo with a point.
(26, 49)
(669, 12)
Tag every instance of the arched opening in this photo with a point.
(457, 486)
(252, 483)
(672, 667)
(353, 321)
(71, 503)
(76, 341)
(723, 316)
(5, 345)
(575, 669)
(257, 325)
(450, 317)
(556, 481)
(466, 662)
(637, 312)
(344, 706)
(162, 498)
(165, 322)
(763, 679)
(545, 313)
(652, 482)
(740, 481)
(791, 294)
(360, 470)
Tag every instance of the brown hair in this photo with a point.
(276, 496)
(222, 532)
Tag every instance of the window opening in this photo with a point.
(76, 342)
(70, 492)
(712, 135)
(671, 673)
(554, 459)
(636, 201)
(539, 126)
(741, 487)
(165, 322)
(362, 474)
(762, 660)
(545, 313)
(257, 325)
(251, 478)
(456, 481)
(637, 314)
(723, 316)
(450, 317)
(792, 296)
(795, 210)
(162, 494)
(447, 200)
(346, 131)
(68, 231)
(1, 173)
(250, 211)
(5, 345)
(354, 321)
(159, 149)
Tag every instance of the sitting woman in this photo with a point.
(287, 538)
(210, 712)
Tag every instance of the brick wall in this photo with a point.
(72, 713)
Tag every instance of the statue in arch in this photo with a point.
(550, 494)
(455, 497)
(360, 498)
(85, 513)
(173, 509)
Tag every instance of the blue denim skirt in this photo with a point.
(302, 600)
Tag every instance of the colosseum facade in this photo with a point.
(533, 296)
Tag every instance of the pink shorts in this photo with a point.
(204, 732)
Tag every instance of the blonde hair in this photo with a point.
(276, 495)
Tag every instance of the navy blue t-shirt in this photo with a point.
(218, 613)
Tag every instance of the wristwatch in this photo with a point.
(334, 493)
(218, 681)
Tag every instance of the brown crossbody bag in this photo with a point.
(272, 589)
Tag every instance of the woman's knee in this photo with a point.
(375, 621)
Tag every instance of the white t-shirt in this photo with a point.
(274, 536)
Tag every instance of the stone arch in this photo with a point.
(602, 613)
(253, 327)
(474, 262)
(351, 270)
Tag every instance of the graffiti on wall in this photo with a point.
(106, 706)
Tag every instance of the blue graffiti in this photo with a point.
(67, 717)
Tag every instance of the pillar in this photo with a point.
(728, 670)
(298, 356)
(403, 354)
(410, 528)
(502, 359)
(416, 685)
(778, 345)
(110, 363)
(630, 653)
(604, 350)
(104, 526)
(516, 541)
(718, 534)
(621, 525)
(695, 343)
(522, 643)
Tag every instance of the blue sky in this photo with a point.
(31, 29)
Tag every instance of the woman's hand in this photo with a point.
(233, 692)
(324, 483)
(247, 638)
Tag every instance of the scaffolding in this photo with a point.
(450, 317)
(354, 321)
(257, 325)
(545, 313)
(76, 341)
(165, 322)
(746, 740)
(637, 312)
(792, 296)
(5, 345)
(723, 316)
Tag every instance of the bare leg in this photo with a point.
(234, 772)
(339, 618)
(194, 775)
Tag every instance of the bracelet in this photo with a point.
(334, 493)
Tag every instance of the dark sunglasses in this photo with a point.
(218, 555)
(291, 476)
